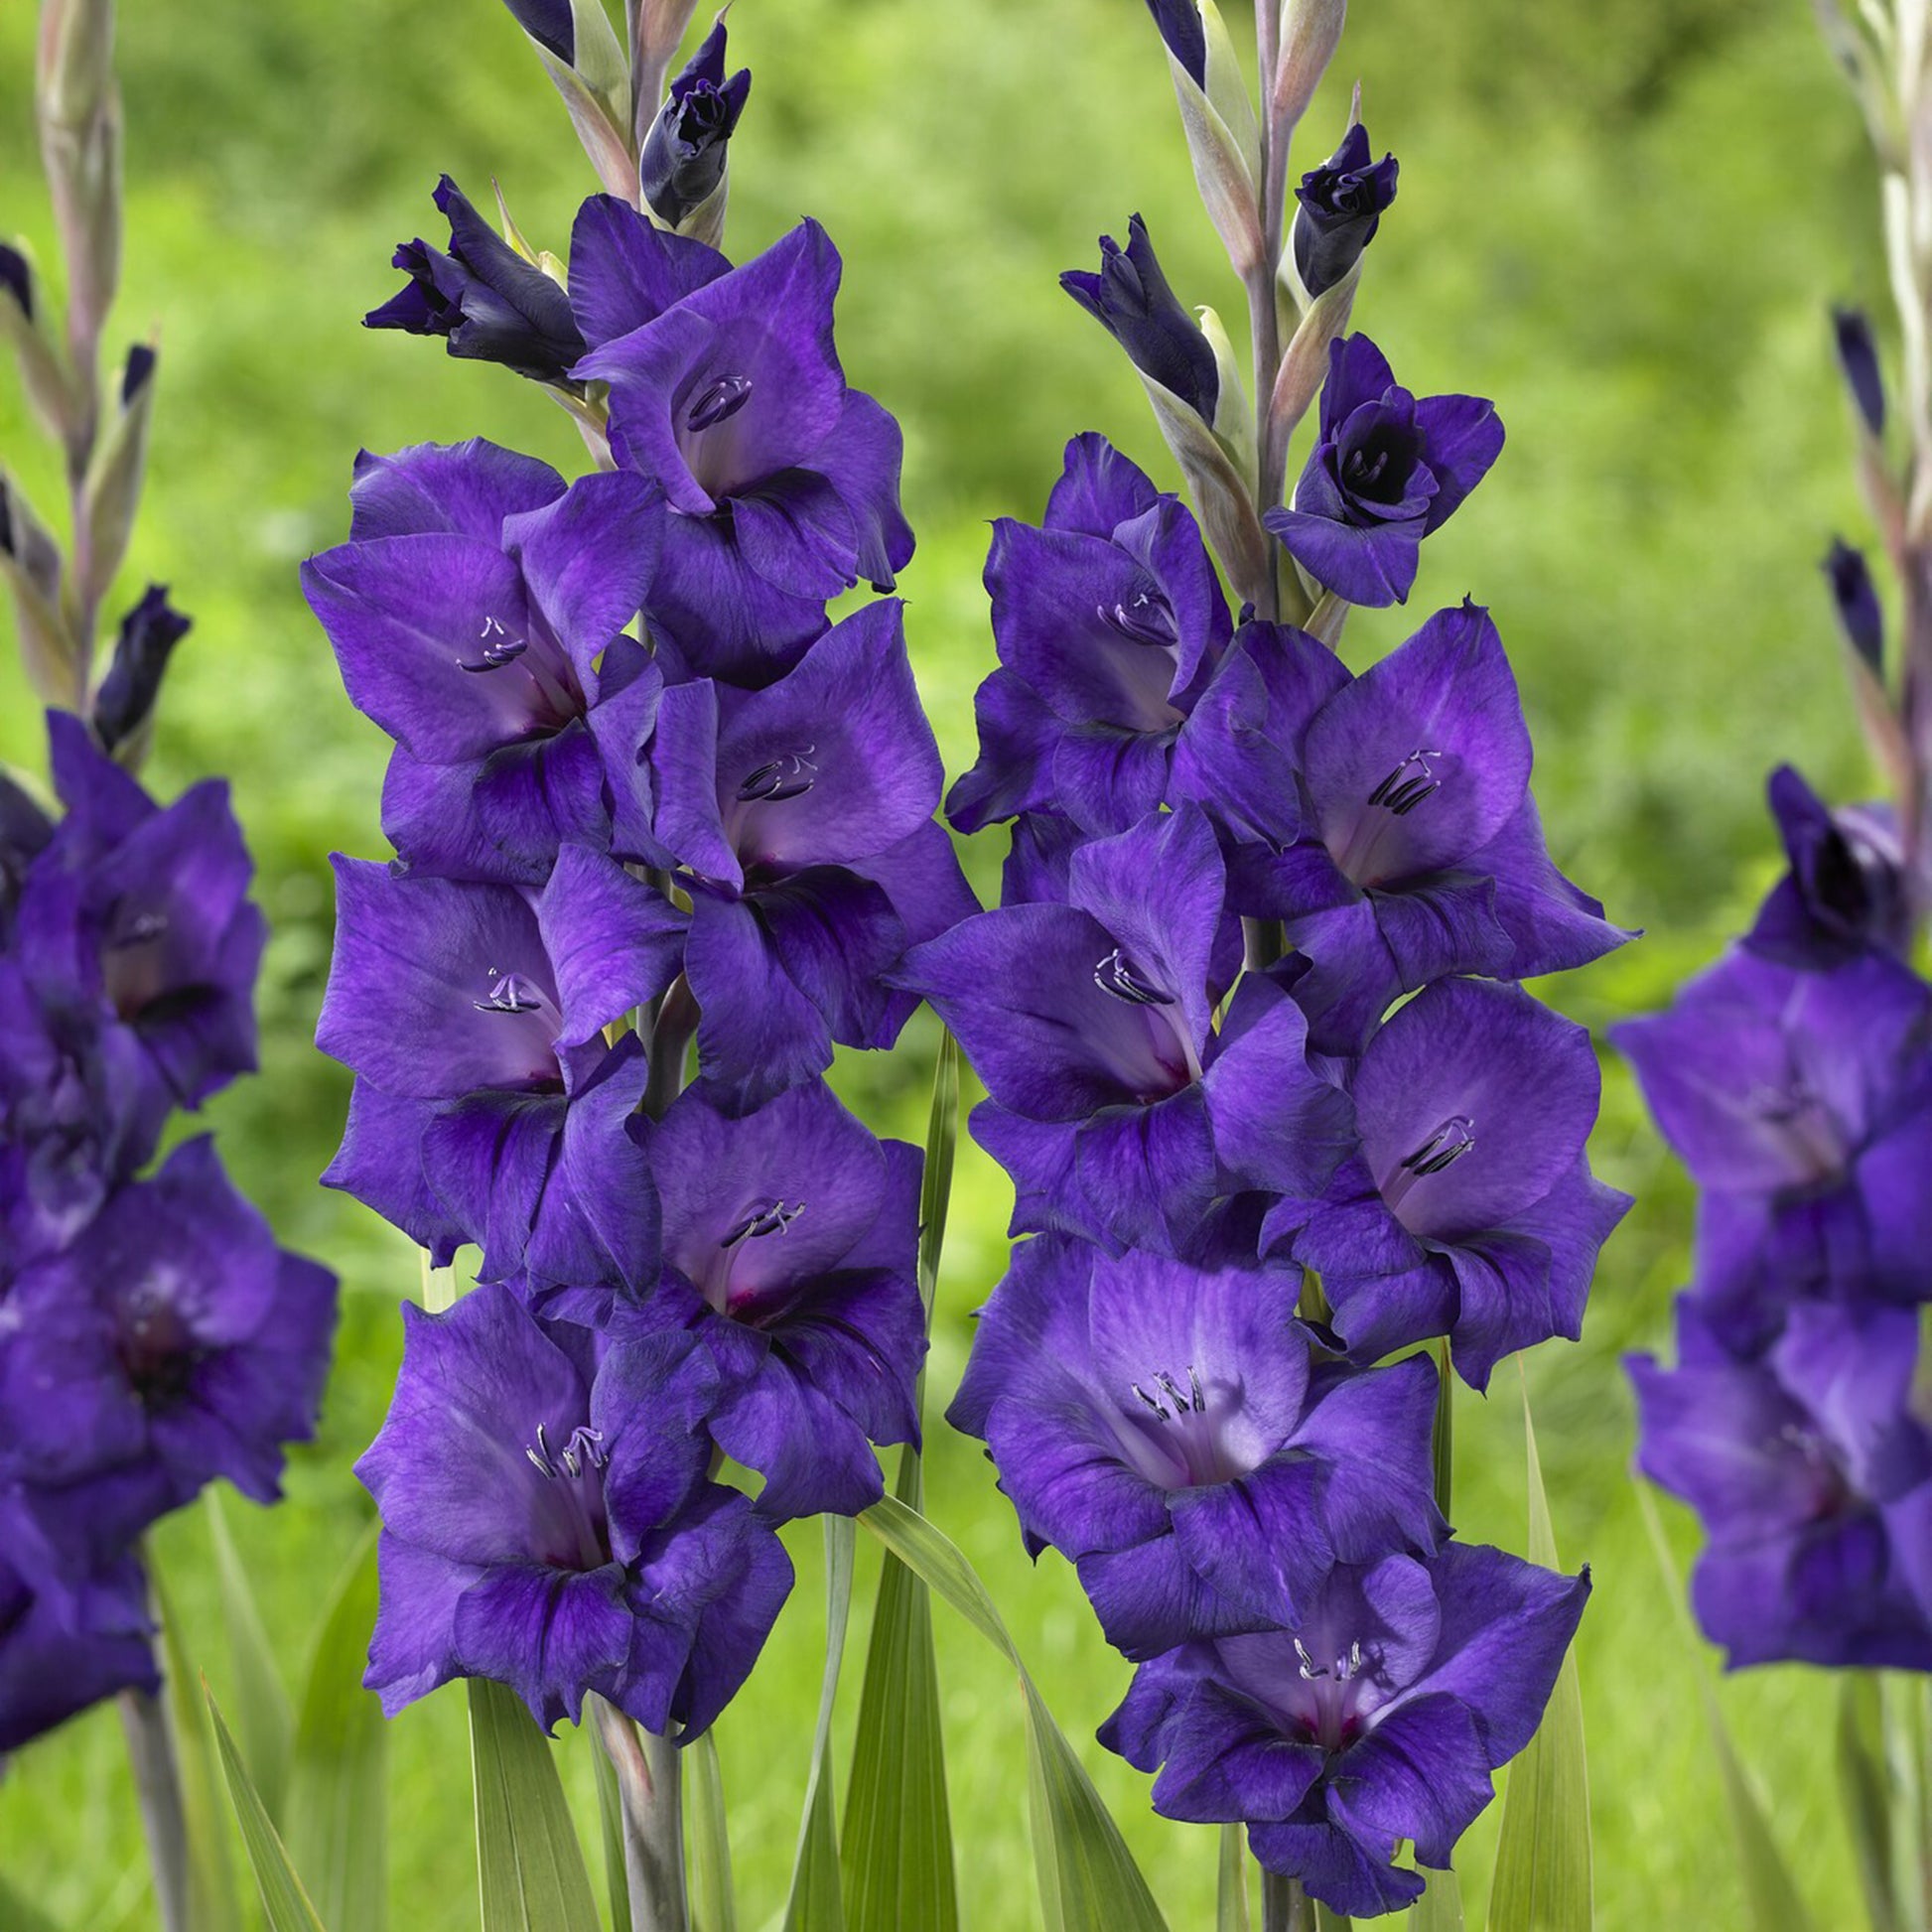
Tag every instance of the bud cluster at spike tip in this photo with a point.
(153, 1336)
(644, 796)
(1253, 1193)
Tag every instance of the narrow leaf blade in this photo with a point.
(261, 1704)
(283, 1898)
(708, 1842)
(817, 1901)
(338, 1810)
(1231, 1912)
(609, 1816)
(1542, 1878)
(529, 1866)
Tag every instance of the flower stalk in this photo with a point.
(647, 1771)
(156, 1768)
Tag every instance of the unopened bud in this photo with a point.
(1311, 33)
(1855, 599)
(549, 24)
(124, 704)
(30, 561)
(1858, 362)
(1182, 33)
(27, 323)
(75, 61)
(1338, 208)
(114, 477)
(1129, 298)
(682, 166)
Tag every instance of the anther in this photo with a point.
(774, 1217)
(1114, 976)
(138, 930)
(540, 1455)
(1147, 619)
(498, 649)
(1450, 1141)
(507, 994)
(1408, 784)
(1152, 1402)
(718, 402)
(1311, 1670)
(782, 778)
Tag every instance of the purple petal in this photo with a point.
(465, 488)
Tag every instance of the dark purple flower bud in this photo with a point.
(1855, 597)
(1381, 1714)
(791, 1251)
(17, 279)
(1387, 469)
(1340, 204)
(1185, 37)
(1107, 618)
(142, 360)
(1858, 362)
(1814, 1479)
(1165, 1427)
(547, 1522)
(63, 1649)
(683, 158)
(1470, 1209)
(483, 296)
(1131, 300)
(172, 1343)
(782, 482)
(549, 24)
(1801, 1101)
(1845, 891)
(148, 634)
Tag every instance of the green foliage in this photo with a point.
(1542, 1881)
(261, 1704)
(529, 1867)
(817, 1903)
(282, 1896)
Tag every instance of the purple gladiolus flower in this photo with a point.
(782, 482)
(138, 915)
(489, 1100)
(490, 304)
(1340, 206)
(1802, 1104)
(547, 1522)
(801, 815)
(791, 1251)
(1387, 470)
(1165, 1429)
(148, 635)
(683, 159)
(1108, 619)
(1419, 853)
(1379, 1717)
(1814, 1480)
(172, 1342)
(477, 612)
(1090, 1018)
(1470, 1209)
(1845, 891)
(64, 1649)
(1131, 300)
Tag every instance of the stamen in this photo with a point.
(584, 1451)
(540, 1455)
(508, 993)
(1154, 1403)
(1114, 976)
(1311, 1670)
(1408, 784)
(783, 778)
(1183, 1400)
(1148, 619)
(1450, 1141)
(718, 402)
(1200, 1400)
(775, 1217)
(138, 930)
(498, 649)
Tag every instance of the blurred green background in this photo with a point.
(1623, 223)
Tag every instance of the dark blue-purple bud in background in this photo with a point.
(137, 372)
(148, 633)
(1342, 202)
(1856, 599)
(1857, 360)
(548, 23)
(684, 153)
(1182, 30)
(1130, 299)
(17, 279)
(491, 304)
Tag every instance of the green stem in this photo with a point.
(671, 1035)
(646, 1767)
(1444, 1442)
(1285, 1907)
(157, 1784)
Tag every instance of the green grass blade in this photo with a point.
(817, 1901)
(336, 1823)
(1542, 1878)
(1864, 1792)
(211, 1902)
(283, 1898)
(1088, 1881)
(609, 1816)
(1440, 1908)
(935, 1185)
(1231, 1893)
(263, 1715)
(707, 1837)
(20, 1914)
(529, 1866)
(1773, 1902)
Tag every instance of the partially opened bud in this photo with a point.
(124, 703)
(1129, 298)
(1339, 207)
(682, 166)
